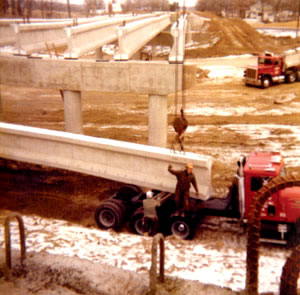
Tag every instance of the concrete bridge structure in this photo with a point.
(10, 28)
(138, 164)
(80, 36)
(156, 79)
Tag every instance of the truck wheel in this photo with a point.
(290, 78)
(265, 82)
(110, 215)
(136, 222)
(182, 228)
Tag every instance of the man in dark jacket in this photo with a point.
(184, 180)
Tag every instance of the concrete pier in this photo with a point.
(157, 120)
(73, 112)
(99, 53)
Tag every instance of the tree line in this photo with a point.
(239, 8)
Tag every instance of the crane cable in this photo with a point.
(183, 95)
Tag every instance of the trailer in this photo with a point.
(153, 211)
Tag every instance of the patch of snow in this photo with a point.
(278, 32)
(220, 266)
(221, 72)
(207, 109)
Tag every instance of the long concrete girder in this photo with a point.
(85, 38)
(142, 165)
(33, 37)
(7, 34)
(178, 32)
(88, 75)
(135, 35)
(7, 27)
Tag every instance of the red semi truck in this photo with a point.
(280, 216)
(271, 69)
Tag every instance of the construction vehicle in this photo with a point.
(280, 216)
(271, 69)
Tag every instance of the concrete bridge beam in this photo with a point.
(85, 38)
(73, 111)
(143, 165)
(178, 31)
(157, 120)
(135, 35)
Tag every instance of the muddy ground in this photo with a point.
(47, 192)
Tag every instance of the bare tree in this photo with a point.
(3, 6)
(69, 9)
(90, 7)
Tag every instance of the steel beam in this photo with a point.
(134, 36)
(142, 165)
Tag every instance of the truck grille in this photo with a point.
(251, 73)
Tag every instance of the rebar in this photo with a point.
(158, 238)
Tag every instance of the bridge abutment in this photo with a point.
(73, 111)
(157, 120)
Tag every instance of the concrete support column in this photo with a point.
(99, 53)
(73, 112)
(158, 120)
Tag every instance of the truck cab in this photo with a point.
(268, 70)
(281, 212)
(272, 69)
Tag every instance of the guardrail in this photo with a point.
(138, 164)
(134, 36)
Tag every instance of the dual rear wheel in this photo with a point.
(110, 214)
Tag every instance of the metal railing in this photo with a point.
(8, 240)
(157, 239)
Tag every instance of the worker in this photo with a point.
(182, 193)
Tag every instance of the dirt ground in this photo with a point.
(60, 194)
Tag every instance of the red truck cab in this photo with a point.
(270, 69)
(281, 212)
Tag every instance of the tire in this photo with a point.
(121, 205)
(291, 77)
(109, 215)
(298, 76)
(136, 222)
(182, 228)
(265, 82)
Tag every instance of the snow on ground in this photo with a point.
(223, 73)
(208, 263)
(278, 32)
(284, 138)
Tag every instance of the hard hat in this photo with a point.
(189, 165)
